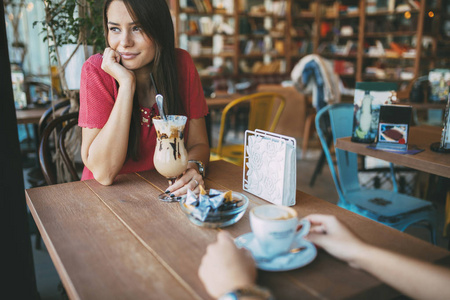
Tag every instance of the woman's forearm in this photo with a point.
(412, 277)
(199, 152)
(108, 150)
(198, 146)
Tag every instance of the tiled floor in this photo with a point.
(49, 283)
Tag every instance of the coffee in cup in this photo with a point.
(275, 228)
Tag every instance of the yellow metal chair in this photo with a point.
(262, 106)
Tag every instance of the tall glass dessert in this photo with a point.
(170, 158)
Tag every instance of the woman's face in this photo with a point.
(136, 49)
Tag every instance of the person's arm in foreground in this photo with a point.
(198, 149)
(225, 268)
(412, 277)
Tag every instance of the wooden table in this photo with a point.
(120, 242)
(29, 116)
(221, 100)
(421, 136)
(32, 114)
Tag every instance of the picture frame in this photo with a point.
(444, 145)
(393, 127)
(369, 96)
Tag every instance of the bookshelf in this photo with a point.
(391, 40)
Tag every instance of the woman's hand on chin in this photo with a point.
(111, 65)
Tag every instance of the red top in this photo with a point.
(98, 93)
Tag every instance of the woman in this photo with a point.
(117, 95)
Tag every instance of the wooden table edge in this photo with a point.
(431, 167)
(64, 276)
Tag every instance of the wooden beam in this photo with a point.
(361, 34)
(18, 268)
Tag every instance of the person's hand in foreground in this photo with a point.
(334, 237)
(225, 267)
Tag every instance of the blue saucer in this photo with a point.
(284, 262)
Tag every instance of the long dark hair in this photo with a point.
(153, 16)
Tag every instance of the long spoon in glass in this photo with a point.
(159, 100)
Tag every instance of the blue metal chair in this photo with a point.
(388, 207)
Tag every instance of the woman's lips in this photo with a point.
(128, 55)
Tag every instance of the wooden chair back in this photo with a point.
(48, 114)
(264, 113)
(260, 114)
(65, 123)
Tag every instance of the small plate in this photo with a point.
(222, 218)
(285, 262)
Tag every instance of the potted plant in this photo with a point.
(73, 30)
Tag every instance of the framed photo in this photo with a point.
(439, 84)
(369, 96)
(445, 140)
(393, 127)
(444, 145)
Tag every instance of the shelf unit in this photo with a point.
(365, 42)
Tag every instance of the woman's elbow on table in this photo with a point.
(103, 179)
(103, 176)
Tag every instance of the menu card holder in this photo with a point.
(270, 168)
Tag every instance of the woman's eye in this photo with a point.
(136, 28)
(114, 29)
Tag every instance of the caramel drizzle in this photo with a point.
(175, 149)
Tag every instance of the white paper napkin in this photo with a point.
(270, 167)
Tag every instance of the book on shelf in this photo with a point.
(206, 25)
(377, 50)
(343, 67)
(194, 48)
(269, 68)
(325, 47)
(375, 72)
(306, 14)
(206, 50)
(391, 5)
(193, 27)
(191, 5)
(208, 6)
(279, 47)
(279, 8)
(305, 47)
(199, 5)
(249, 47)
(244, 26)
(348, 10)
(349, 48)
(332, 10)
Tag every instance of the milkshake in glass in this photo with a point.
(170, 158)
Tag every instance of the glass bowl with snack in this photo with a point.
(214, 208)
